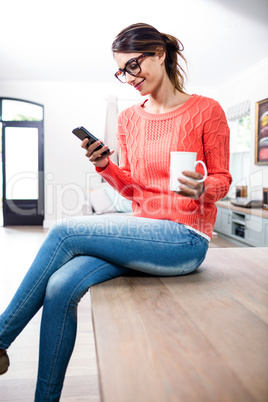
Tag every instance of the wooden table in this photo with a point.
(200, 337)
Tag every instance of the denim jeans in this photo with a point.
(76, 254)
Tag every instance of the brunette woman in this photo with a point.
(167, 234)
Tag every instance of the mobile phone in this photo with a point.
(82, 133)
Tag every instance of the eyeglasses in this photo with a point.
(132, 67)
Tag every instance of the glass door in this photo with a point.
(22, 171)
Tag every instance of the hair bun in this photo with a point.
(173, 42)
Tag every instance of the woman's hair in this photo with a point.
(145, 38)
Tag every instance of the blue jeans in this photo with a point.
(81, 252)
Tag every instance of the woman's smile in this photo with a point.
(139, 84)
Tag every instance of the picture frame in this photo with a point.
(261, 133)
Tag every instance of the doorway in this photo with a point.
(22, 166)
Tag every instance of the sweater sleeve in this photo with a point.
(216, 140)
(119, 177)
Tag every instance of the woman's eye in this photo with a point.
(133, 66)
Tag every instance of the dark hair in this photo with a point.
(145, 38)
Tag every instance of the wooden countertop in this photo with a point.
(195, 338)
(253, 211)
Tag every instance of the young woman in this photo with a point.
(167, 234)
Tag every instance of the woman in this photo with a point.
(167, 234)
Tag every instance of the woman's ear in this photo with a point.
(161, 54)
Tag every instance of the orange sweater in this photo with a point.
(145, 141)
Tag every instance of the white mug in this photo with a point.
(180, 161)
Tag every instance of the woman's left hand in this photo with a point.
(191, 188)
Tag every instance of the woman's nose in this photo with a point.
(129, 78)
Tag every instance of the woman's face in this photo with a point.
(151, 75)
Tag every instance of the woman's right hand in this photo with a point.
(94, 156)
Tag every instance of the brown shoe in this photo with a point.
(4, 361)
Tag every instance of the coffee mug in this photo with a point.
(180, 161)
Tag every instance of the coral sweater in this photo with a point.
(145, 141)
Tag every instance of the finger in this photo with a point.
(191, 192)
(91, 150)
(84, 143)
(99, 155)
(96, 161)
(98, 143)
(93, 146)
(99, 152)
(189, 183)
(193, 175)
(188, 192)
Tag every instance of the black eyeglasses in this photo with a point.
(132, 67)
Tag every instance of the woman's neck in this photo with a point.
(165, 99)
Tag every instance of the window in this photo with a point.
(21, 163)
(239, 123)
(15, 110)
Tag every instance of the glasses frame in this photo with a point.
(123, 71)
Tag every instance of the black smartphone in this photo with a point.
(82, 133)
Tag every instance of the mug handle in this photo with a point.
(205, 169)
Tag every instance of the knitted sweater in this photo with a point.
(145, 141)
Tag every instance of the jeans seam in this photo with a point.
(190, 241)
(198, 263)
